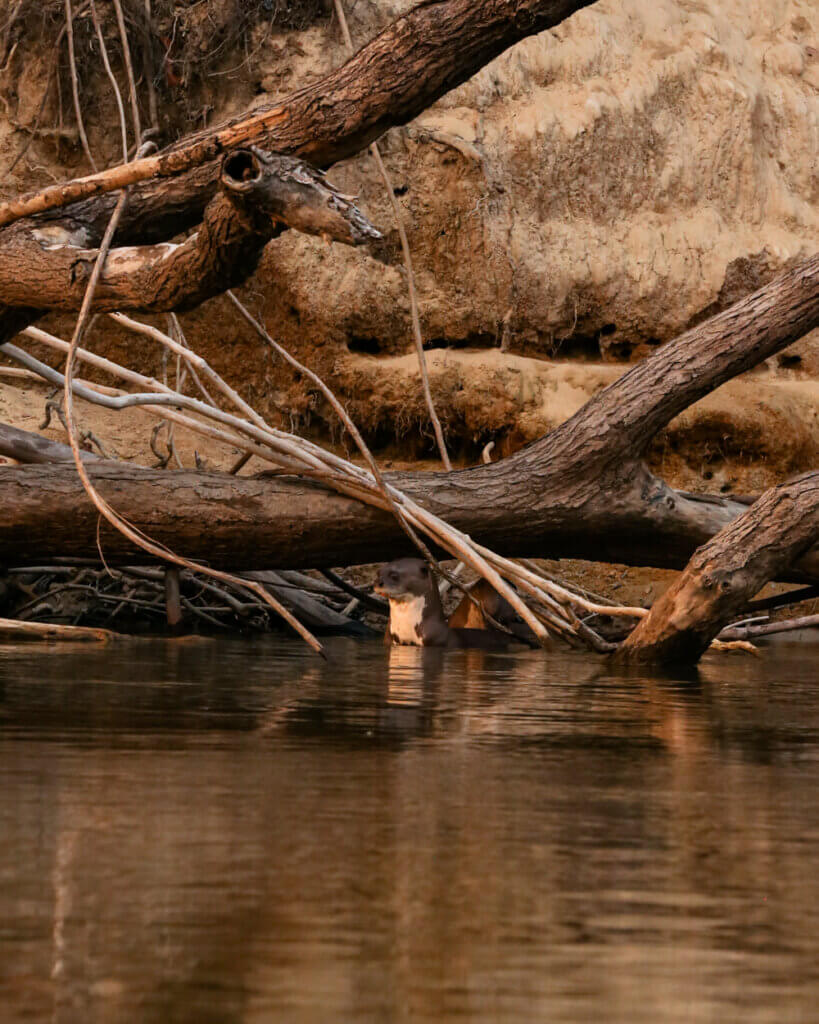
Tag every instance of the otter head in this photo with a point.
(404, 580)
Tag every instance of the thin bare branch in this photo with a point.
(75, 84)
(113, 517)
(115, 87)
(411, 283)
(739, 632)
(129, 68)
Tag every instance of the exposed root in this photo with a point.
(417, 335)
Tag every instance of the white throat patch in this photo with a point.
(405, 620)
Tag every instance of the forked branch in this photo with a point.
(260, 193)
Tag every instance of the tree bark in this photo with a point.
(14, 631)
(260, 193)
(582, 491)
(247, 523)
(417, 59)
(32, 448)
(724, 575)
(420, 57)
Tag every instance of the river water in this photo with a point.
(235, 831)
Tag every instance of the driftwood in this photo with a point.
(770, 628)
(139, 598)
(13, 631)
(32, 448)
(313, 613)
(725, 574)
(581, 491)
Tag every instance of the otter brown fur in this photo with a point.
(469, 615)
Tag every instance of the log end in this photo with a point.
(294, 193)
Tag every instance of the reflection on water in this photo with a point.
(237, 831)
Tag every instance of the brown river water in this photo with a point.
(235, 831)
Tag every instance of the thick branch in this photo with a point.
(248, 523)
(623, 419)
(259, 193)
(420, 57)
(725, 574)
(32, 448)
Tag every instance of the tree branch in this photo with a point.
(259, 193)
(724, 574)
(578, 492)
(418, 58)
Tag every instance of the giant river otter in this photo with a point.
(417, 616)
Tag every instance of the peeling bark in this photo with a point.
(724, 574)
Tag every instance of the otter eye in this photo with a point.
(393, 575)
(425, 570)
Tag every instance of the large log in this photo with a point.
(581, 491)
(246, 523)
(725, 573)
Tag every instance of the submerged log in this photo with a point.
(724, 575)
(581, 491)
(15, 631)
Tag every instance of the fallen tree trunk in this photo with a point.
(581, 491)
(724, 575)
(245, 523)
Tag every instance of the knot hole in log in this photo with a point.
(241, 170)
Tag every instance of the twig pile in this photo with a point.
(134, 599)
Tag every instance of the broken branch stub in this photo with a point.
(292, 192)
(725, 573)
